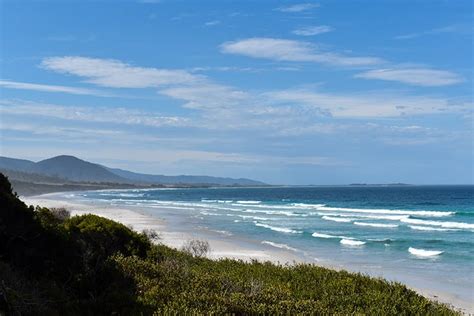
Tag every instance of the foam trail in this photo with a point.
(424, 253)
(281, 246)
(223, 232)
(249, 202)
(217, 201)
(304, 205)
(376, 225)
(386, 211)
(320, 235)
(459, 225)
(426, 228)
(386, 217)
(352, 242)
(336, 219)
(277, 229)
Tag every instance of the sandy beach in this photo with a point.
(222, 245)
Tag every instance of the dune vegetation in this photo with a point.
(54, 264)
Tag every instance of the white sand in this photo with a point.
(227, 247)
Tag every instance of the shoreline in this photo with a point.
(221, 245)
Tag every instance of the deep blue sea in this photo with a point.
(419, 235)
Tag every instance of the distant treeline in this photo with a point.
(54, 264)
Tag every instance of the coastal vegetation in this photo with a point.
(54, 264)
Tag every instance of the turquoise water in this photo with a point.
(419, 235)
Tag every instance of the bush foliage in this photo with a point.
(53, 264)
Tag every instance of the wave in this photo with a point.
(217, 201)
(384, 240)
(385, 217)
(286, 213)
(376, 225)
(321, 235)
(305, 205)
(222, 232)
(337, 219)
(459, 225)
(277, 229)
(424, 253)
(352, 242)
(427, 228)
(281, 246)
(254, 217)
(249, 202)
(387, 211)
(209, 213)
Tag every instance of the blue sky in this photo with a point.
(326, 92)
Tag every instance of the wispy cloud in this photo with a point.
(117, 115)
(299, 7)
(227, 107)
(207, 96)
(447, 29)
(312, 30)
(290, 50)
(370, 105)
(116, 74)
(6, 84)
(415, 76)
(212, 23)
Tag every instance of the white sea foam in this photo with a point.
(281, 246)
(222, 232)
(386, 217)
(386, 211)
(209, 213)
(249, 202)
(216, 201)
(376, 225)
(337, 219)
(427, 228)
(269, 212)
(320, 235)
(259, 218)
(424, 253)
(277, 229)
(459, 225)
(305, 205)
(352, 242)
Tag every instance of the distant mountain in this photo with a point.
(183, 179)
(16, 164)
(75, 169)
(63, 167)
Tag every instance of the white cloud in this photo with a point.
(414, 76)
(312, 30)
(207, 96)
(118, 115)
(300, 7)
(226, 107)
(49, 88)
(369, 105)
(290, 50)
(116, 74)
(447, 29)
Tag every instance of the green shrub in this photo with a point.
(51, 264)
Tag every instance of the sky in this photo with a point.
(316, 92)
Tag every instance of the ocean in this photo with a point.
(419, 235)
